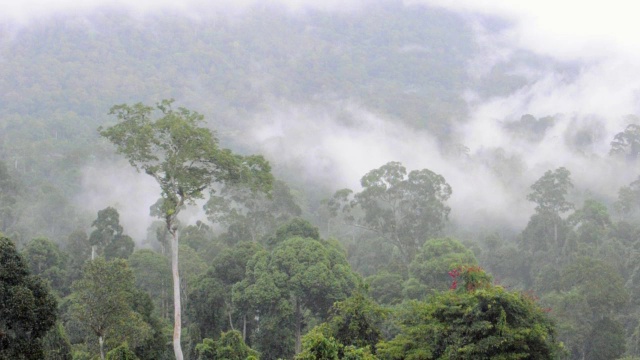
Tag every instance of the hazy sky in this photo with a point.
(567, 29)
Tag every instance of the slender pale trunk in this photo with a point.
(244, 328)
(177, 321)
(230, 320)
(101, 341)
(298, 326)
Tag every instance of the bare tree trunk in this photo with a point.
(244, 328)
(230, 321)
(177, 322)
(101, 341)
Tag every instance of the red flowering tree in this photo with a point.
(474, 320)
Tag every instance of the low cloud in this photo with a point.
(588, 83)
(118, 185)
(337, 145)
(566, 30)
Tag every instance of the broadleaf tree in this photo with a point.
(108, 236)
(627, 143)
(185, 159)
(46, 260)
(404, 209)
(103, 301)
(474, 320)
(250, 216)
(301, 277)
(549, 193)
(27, 308)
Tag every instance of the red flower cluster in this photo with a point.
(454, 274)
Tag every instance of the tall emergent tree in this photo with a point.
(549, 193)
(108, 236)
(627, 143)
(185, 159)
(404, 209)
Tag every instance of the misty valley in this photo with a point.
(356, 180)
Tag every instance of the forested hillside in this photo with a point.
(385, 182)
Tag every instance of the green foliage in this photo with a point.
(154, 346)
(389, 58)
(300, 275)
(311, 274)
(627, 143)
(51, 214)
(588, 299)
(476, 321)
(213, 308)
(183, 157)
(8, 198)
(79, 250)
(198, 236)
(153, 275)
(108, 236)
(606, 340)
(602, 287)
(434, 261)
(356, 321)
(47, 261)
(56, 344)
(249, 215)
(550, 191)
(229, 346)
(27, 309)
(547, 238)
(103, 301)
(121, 352)
(545, 234)
(402, 208)
(628, 199)
(592, 223)
(316, 346)
(385, 287)
(354, 353)
(296, 227)
(82, 355)
(207, 305)
(509, 264)
(191, 266)
(231, 264)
